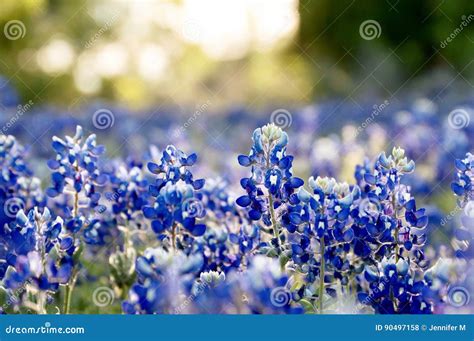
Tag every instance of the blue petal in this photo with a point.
(191, 160)
(255, 215)
(153, 168)
(53, 164)
(198, 184)
(244, 160)
(243, 201)
(296, 182)
(157, 226)
(198, 230)
(149, 212)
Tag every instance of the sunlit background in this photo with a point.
(245, 52)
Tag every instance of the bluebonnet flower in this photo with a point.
(272, 183)
(19, 189)
(75, 178)
(321, 233)
(334, 241)
(263, 288)
(388, 220)
(177, 206)
(390, 232)
(127, 195)
(163, 279)
(395, 288)
(231, 237)
(455, 273)
(463, 186)
(39, 256)
(76, 172)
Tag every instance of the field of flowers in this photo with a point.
(258, 215)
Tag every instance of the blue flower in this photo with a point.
(163, 278)
(271, 185)
(177, 209)
(19, 189)
(394, 288)
(462, 186)
(38, 255)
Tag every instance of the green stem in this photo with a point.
(67, 299)
(68, 292)
(321, 276)
(270, 203)
(72, 281)
(274, 222)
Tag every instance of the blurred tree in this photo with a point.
(411, 37)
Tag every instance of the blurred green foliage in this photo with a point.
(326, 56)
(410, 42)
